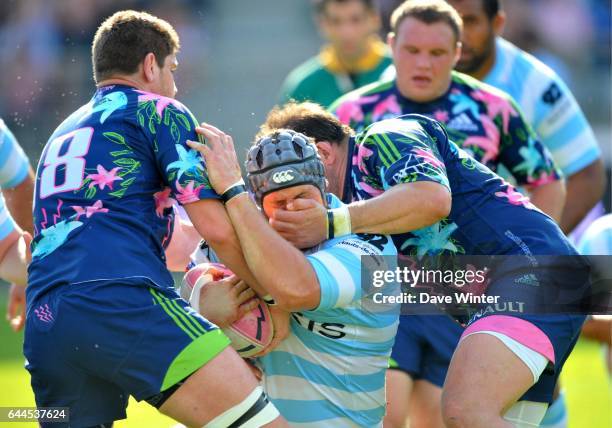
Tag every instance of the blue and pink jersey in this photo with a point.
(482, 120)
(106, 183)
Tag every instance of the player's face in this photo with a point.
(165, 81)
(424, 56)
(347, 25)
(278, 200)
(478, 40)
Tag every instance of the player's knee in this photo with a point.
(464, 414)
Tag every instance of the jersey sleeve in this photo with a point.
(521, 152)
(399, 151)
(7, 223)
(171, 125)
(14, 163)
(338, 268)
(562, 126)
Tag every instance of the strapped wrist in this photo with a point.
(338, 222)
(234, 190)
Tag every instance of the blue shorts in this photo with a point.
(90, 346)
(424, 346)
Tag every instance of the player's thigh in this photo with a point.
(484, 379)
(221, 384)
(399, 386)
(425, 405)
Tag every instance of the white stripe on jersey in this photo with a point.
(14, 163)
(356, 365)
(571, 152)
(345, 285)
(294, 388)
(527, 79)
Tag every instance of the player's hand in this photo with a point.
(226, 301)
(303, 223)
(15, 311)
(282, 327)
(220, 156)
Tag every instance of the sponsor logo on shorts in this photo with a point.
(283, 176)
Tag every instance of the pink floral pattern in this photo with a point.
(161, 102)
(496, 105)
(163, 201)
(97, 207)
(104, 178)
(489, 144)
(188, 193)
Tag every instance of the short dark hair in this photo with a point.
(320, 5)
(306, 118)
(124, 39)
(491, 7)
(429, 12)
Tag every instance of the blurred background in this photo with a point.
(234, 57)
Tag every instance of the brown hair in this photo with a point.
(429, 12)
(307, 118)
(321, 5)
(124, 39)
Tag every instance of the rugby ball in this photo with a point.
(251, 333)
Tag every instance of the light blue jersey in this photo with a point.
(330, 371)
(548, 106)
(597, 240)
(14, 165)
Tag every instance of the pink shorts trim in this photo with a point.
(518, 329)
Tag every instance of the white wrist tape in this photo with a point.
(341, 221)
(194, 298)
(237, 183)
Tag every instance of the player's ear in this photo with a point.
(499, 22)
(457, 53)
(148, 67)
(328, 156)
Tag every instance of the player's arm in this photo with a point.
(19, 201)
(212, 222)
(584, 189)
(276, 264)
(417, 195)
(565, 131)
(16, 179)
(402, 208)
(185, 238)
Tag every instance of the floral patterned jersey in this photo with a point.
(106, 183)
(488, 216)
(482, 120)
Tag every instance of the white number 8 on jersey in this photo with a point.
(76, 145)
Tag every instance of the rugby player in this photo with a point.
(354, 56)
(425, 43)
(546, 101)
(17, 182)
(103, 319)
(403, 175)
(330, 371)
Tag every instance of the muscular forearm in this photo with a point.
(402, 208)
(13, 264)
(19, 202)
(584, 190)
(277, 265)
(550, 198)
(212, 223)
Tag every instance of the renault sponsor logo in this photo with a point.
(283, 176)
